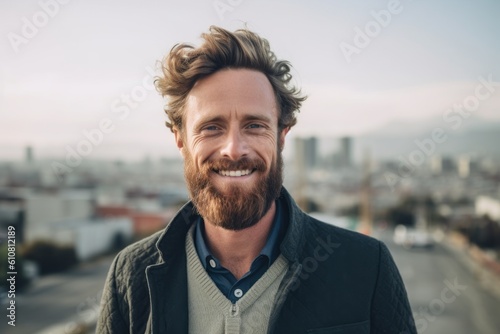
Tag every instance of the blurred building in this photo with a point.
(47, 209)
(11, 214)
(436, 165)
(464, 166)
(29, 158)
(342, 158)
(92, 237)
(306, 151)
(442, 164)
(488, 206)
(346, 151)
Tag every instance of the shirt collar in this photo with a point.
(270, 251)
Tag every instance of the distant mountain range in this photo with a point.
(474, 136)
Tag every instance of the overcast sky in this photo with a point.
(68, 71)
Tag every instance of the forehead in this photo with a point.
(232, 93)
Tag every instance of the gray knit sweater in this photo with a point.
(211, 312)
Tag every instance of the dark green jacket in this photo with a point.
(338, 281)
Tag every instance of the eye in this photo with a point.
(255, 126)
(211, 128)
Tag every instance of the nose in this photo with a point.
(235, 145)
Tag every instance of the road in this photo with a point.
(444, 295)
(59, 299)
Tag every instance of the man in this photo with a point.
(241, 257)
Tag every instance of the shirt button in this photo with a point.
(238, 293)
(212, 263)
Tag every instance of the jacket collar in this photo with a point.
(171, 242)
(293, 242)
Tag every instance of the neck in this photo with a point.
(237, 249)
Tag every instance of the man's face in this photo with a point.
(232, 147)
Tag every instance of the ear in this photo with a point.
(178, 139)
(283, 134)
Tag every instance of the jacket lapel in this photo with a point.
(167, 281)
(168, 295)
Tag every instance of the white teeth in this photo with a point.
(235, 172)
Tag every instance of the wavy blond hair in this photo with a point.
(185, 64)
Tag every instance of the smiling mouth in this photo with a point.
(235, 173)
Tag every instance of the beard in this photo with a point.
(237, 206)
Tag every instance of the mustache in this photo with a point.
(241, 164)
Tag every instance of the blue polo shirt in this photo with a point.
(232, 288)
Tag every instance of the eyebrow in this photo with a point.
(263, 118)
(210, 119)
